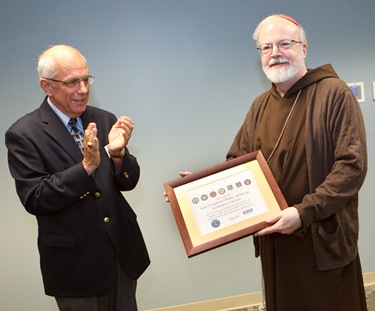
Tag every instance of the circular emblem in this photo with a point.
(215, 223)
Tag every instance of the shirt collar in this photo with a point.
(64, 118)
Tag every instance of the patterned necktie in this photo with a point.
(77, 134)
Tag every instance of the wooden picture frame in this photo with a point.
(224, 202)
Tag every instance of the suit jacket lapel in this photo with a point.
(57, 130)
(87, 117)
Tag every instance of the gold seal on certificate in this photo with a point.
(224, 203)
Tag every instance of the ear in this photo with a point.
(304, 49)
(46, 86)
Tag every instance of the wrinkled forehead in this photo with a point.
(69, 69)
(67, 63)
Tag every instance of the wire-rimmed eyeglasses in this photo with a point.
(282, 45)
(75, 82)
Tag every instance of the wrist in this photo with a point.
(299, 215)
(117, 153)
(88, 168)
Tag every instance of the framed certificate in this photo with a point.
(224, 203)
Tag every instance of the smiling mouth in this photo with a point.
(278, 63)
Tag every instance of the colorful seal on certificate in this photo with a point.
(215, 223)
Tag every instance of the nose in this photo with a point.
(275, 50)
(83, 87)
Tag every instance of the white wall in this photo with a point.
(186, 72)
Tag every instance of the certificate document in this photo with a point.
(224, 203)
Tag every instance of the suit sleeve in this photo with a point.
(41, 187)
(129, 174)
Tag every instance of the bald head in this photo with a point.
(280, 20)
(56, 57)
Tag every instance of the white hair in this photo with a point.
(47, 60)
(302, 34)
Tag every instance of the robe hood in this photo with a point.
(311, 76)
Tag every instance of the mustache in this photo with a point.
(276, 61)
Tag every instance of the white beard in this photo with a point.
(280, 75)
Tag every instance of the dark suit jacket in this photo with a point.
(84, 222)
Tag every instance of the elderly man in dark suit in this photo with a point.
(91, 247)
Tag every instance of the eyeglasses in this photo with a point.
(282, 45)
(75, 82)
